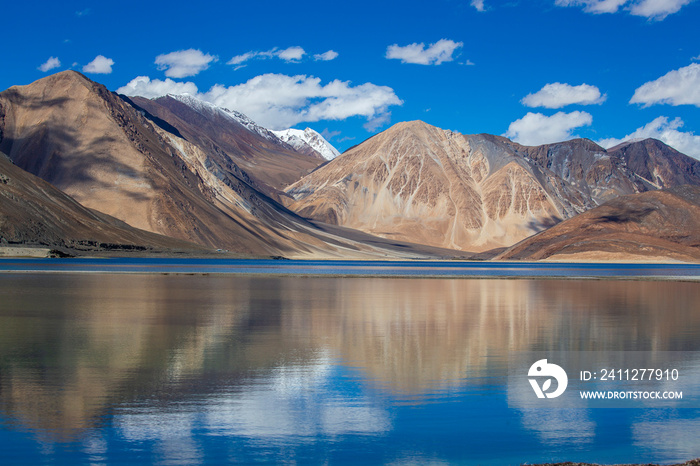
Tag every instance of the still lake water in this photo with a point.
(188, 369)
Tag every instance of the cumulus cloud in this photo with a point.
(558, 95)
(51, 63)
(278, 101)
(100, 65)
(651, 9)
(435, 54)
(150, 88)
(290, 54)
(326, 56)
(535, 128)
(184, 63)
(478, 4)
(677, 87)
(663, 130)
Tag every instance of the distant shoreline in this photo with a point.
(438, 269)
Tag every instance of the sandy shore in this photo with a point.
(9, 251)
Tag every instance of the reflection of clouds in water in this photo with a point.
(95, 447)
(299, 401)
(567, 424)
(294, 401)
(172, 431)
(675, 439)
(560, 426)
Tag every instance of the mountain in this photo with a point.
(32, 212)
(98, 149)
(662, 224)
(309, 142)
(232, 141)
(113, 157)
(415, 182)
(658, 164)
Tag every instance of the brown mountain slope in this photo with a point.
(234, 142)
(415, 182)
(658, 164)
(98, 149)
(108, 156)
(32, 212)
(657, 224)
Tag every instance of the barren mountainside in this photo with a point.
(652, 225)
(32, 212)
(233, 141)
(416, 182)
(112, 157)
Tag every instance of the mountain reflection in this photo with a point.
(75, 348)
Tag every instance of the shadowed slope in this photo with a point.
(32, 212)
(653, 225)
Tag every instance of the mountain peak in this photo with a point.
(308, 141)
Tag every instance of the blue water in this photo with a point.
(112, 368)
(356, 268)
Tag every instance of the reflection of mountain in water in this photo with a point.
(74, 347)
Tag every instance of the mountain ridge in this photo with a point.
(481, 191)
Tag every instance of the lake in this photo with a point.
(215, 361)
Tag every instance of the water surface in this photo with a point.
(191, 369)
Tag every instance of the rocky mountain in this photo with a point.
(308, 141)
(657, 164)
(117, 158)
(652, 225)
(232, 141)
(415, 182)
(34, 213)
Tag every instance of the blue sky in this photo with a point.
(351, 69)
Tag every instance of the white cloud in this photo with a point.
(535, 128)
(51, 63)
(651, 9)
(146, 87)
(663, 130)
(696, 58)
(657, 9)
(184, 63)
(326, 56)
(290, 54)
(558, 95)
(278, 101)
(100, 65)
(435, 54)
(478, 4)
(677, 87)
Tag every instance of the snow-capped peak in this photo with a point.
(202, 106)
(308, 138)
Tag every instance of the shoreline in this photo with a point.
(438, 269)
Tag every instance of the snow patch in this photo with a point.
(204, 107)
(301, 139)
